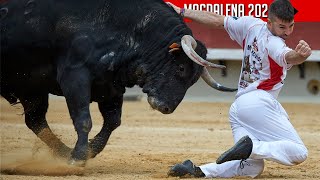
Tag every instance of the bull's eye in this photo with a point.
(181, 68)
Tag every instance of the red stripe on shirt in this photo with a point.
(276, 72)
(243, 43)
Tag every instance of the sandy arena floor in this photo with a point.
(146, 144)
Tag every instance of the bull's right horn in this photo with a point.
(213, 83)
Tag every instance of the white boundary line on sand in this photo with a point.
(236, 54)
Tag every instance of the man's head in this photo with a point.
(281, 18)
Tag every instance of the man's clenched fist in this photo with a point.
(303, 49)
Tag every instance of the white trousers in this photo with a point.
(260, 116)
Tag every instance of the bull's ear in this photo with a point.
(174, 47)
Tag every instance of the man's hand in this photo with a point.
(176, 8)
(303, 49)
(300, 54)
(207, 18)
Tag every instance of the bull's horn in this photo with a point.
(188, 45)
(213, 83)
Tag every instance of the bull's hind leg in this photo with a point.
(111, 112)
(35, 109)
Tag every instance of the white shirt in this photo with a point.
(263, 65)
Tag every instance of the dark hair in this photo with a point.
(281, 9)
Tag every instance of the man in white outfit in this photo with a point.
(260, 126)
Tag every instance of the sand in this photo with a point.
(146, 144)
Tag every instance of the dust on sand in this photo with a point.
(24, 164)
(146, 144)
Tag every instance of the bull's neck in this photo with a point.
(149, 43)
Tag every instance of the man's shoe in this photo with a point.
(187, 168)
(240, 151)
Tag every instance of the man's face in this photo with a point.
(280, 28)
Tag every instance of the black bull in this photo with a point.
(91, 50)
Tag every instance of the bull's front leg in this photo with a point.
(75, 78)
(111, 112)
(76, 87)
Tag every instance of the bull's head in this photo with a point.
(170, 80)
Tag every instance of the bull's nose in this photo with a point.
(165, 109)
(160, 106)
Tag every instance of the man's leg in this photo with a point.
(249, 167)
(283, 152)
(260, 116)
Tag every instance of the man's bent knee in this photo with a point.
(301, 157)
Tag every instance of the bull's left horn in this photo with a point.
(189, 45)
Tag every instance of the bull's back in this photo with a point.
(35, 34)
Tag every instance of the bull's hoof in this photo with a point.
(96, 145)
(79, 158)
(78, 163)
(92, 154)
